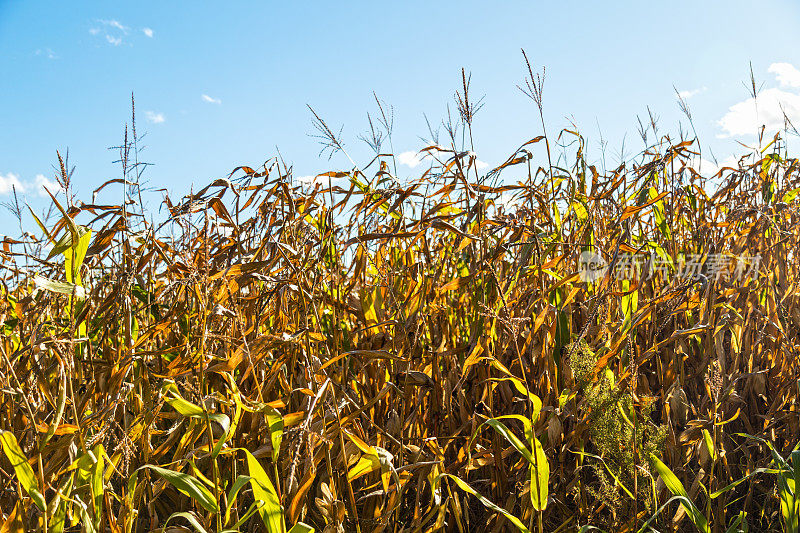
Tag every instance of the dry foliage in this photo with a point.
(343, 355)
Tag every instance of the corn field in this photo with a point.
(369, 353)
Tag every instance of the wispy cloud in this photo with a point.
(694, 92)
(113, 31)
(210, 99)
(46, 52)
(148, 32)
(768, 110)
(11, 182)
(155, 118)
(115, 24)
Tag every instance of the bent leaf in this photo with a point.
(463, 485)
(676, 487)
(188, 485)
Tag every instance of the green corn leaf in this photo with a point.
(580, 209)
(739, 481)
(240, 482)
(275, 423)
(188, 485)
(83, 512)
(189, 517)
(176, 401)
(65, 243)
(630, 304)
(508, 435)
(237, 416)
(660, 215)
(27, 479)
(463, 485)
(263, 489)
(519, 385)
(539, 467)
(250, 512)
(58, 287)
(710, 444)
(735, 526)
(676, 487)
(540, 475)
(187, 408)
(76, 254)
(97, 485)
(58, 505)
(684, 501)
(365, 465)
(790, 196)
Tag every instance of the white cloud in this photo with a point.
(9, 182)
(41, 182)
(210, 99)
(148, 32)
(688, 94)
(155, 118)
(708, 168)
(745, 118)
(786, 74)
(115, 41)
(409, 159)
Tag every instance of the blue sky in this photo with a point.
(68, 69)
